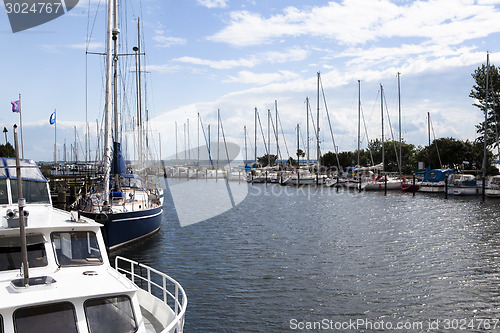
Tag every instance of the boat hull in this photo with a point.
(464, 190)
(300, 181)
(122, 228)
(432, 187)
(380, 186)
(409, 187)
(492, 192)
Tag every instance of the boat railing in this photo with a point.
(159, 285)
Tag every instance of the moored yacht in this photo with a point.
(434, 180)
(493, 187)
(129, 205)
(55, 274)
(463, 184)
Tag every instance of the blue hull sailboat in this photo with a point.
(128, 205)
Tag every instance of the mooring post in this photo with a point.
(385, 184)
(484, 189)
(413, 188)
(446, 187)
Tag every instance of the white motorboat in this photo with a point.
(493, 187)
(463, 184)
(55, 274)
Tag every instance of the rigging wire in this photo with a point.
(263, 136)
(251, 146)
(392, 133)
(330, 124)
(283, 134)
(276, 137)
(366, 134)
(435, 142)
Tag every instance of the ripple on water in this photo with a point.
(313, 254)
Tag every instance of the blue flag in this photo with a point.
(52, 119)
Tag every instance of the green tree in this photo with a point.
(391, 151)
(264, 160)
(487, 100)
(329, 159)
(7, 150)
(454, 154)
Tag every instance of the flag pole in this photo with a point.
(21, 126)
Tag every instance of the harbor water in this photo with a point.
(290, 259)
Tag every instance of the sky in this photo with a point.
(209, 56)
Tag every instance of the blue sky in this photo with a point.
(205, 55)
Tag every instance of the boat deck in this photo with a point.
(150, 322)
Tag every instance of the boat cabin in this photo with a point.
(71, 286)
(437, 175)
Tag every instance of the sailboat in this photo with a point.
(128, 205)
(382, 182)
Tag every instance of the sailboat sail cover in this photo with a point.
(118, 166)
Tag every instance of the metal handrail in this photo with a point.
(180, 303)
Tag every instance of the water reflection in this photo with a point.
(312, 254)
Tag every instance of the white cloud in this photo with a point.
(293, 54)
(263, 78)
(90, 46)
(162, 68)
(213, 3)
(356, 22)
(166, 41)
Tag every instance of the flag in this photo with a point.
(16, 106)
(52, 119)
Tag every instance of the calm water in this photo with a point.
(286, 259)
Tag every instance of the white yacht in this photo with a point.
(493, 187)
(55, 274)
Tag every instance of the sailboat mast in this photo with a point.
(307, 130)
(245, 138)
(486, 115)
(359, 116)
(199, 139)
(139, 93)
(218, 140)
(115, 75)
(269, 137)
(115, 88)
(107, 106)
(400, 139)
(255, 136)
(318, 153)
(276, 133)
(382, 114)
(298, 147)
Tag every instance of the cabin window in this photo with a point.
(10, 252)
(76, 248)
(33, 192)
(4, 197)
(110, 314)
(48, 318)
